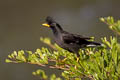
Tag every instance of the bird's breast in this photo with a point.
(59, 41)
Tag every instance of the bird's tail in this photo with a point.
(93, 44)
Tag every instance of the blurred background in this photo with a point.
(20, 27)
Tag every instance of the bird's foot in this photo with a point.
(77, 62)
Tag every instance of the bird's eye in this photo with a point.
(53, 24)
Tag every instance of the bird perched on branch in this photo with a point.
(66, 40)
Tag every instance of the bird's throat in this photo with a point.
(56, 31)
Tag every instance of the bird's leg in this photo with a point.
(64, 59)
(77, 60)
(78, 56)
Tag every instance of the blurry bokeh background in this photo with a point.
(20, 27)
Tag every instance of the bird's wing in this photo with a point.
(73, 38)
(79, 36)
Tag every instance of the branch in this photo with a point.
(66, 67)
(111, 25)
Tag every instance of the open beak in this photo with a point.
(45, 24)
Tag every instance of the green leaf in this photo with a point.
(8, 61)
(41, 74)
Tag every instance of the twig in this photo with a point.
(49, 66)
(110, 28)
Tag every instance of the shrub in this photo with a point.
(101, 63)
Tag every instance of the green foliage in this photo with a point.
(42, 76)
(101, 63)
(113, 25)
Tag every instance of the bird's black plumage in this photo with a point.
(66, 40)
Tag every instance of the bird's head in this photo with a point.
(52, 24)
(49, 22)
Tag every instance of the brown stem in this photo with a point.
(110, 28)
(49, 66)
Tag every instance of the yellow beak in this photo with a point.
(45, 24)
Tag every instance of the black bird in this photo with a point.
(66, 40)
